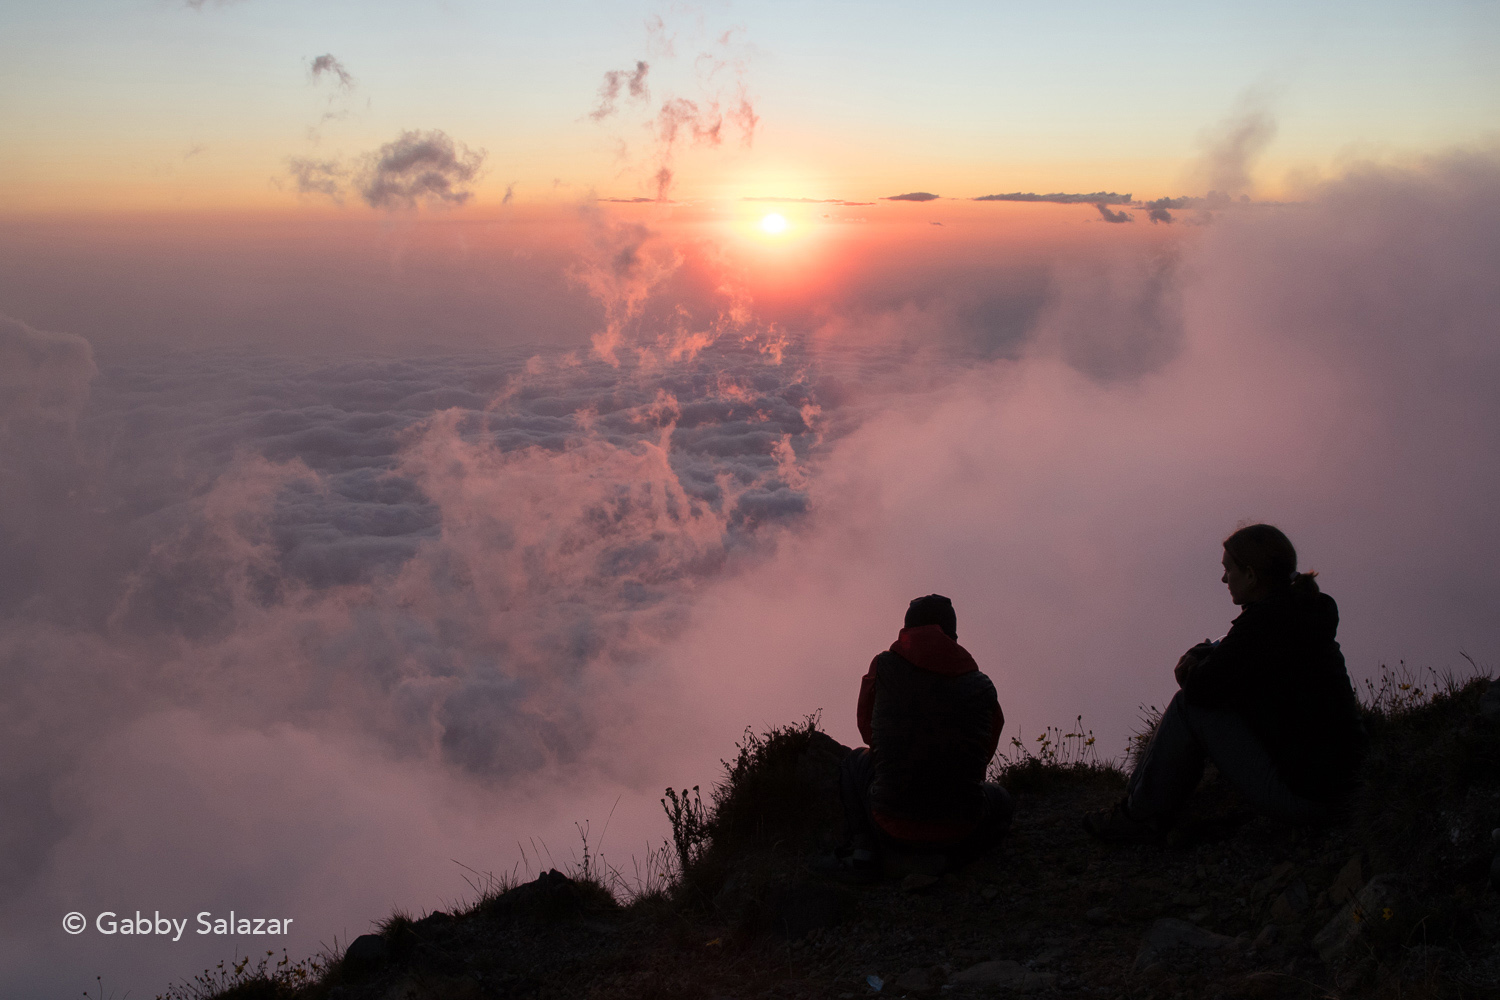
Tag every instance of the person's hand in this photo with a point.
(1185, 666)
(1189, 661)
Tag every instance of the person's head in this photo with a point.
(1260, 561)
(934, 609)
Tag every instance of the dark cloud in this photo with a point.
(1097, 198)
(1112, 216)
(419, 167)
(1160, 209)
(326, 63)
(912, 196)
(632, 81)
(324, 177)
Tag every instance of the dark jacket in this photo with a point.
(932, 722)
(1280, 669)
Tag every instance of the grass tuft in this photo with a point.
(269, 978)
(1060, 758)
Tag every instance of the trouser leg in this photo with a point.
(999, 807)
(1173, 765)
(1241, 757)
(1170, 768)
(855, 774)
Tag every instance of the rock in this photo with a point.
(1291, 904)
(900, 864)
(1262, 984)
(988, 893)
(916, 882)
(1012, 975)
(1048, 957)
(1265, 939)
(550, 896)
(364, 955)
(802, 907)
(1489, 703)
(918, 981)
(1495, 872)
(1360, 922)
(1138, 902)
(1169, 936)
(1350, 879)
(1098, 916)
(432, 923)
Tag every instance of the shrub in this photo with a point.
(768, 800)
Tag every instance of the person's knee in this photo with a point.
(999, 807)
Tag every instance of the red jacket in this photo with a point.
(926, 648)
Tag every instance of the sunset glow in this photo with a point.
(424, 428)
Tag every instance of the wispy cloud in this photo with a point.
(1112, 216)
(326, 64)
(633, 81)
(912, 196)
(1232, 148)
(717, 102)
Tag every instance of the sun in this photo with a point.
(773, 224)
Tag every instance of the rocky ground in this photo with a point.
(1399, 900)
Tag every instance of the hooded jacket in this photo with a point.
(1281, 670)
(932, 722)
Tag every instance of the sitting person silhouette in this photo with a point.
(1270, 704)
(932, 722)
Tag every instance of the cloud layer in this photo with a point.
(288, 633)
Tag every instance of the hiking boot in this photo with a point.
(856, 867)
(1116, 826)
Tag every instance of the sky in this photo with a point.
(429, 431)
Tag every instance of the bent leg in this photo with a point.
(1239, 755)
(1170, 768)
(994, 821)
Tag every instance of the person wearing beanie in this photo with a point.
(931, 722)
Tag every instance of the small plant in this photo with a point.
(689, 819)
(1402, 690)
(1058, 755)
(237, 978)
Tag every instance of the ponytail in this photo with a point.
(1304, 584)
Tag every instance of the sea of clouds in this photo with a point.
(291, 633)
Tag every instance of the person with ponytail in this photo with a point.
(1270, 704)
